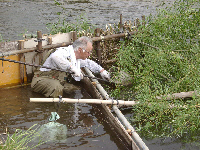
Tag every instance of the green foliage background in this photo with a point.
(164, 58)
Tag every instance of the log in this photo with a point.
(181, 95)
(34, 49)
(90, 101)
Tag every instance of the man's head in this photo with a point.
(82, 47)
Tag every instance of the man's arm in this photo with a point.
(90, 64)
(94, 67)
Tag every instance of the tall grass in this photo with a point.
(164, 58)
(20, 140)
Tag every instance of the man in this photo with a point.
(72, 58)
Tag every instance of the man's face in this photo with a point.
(85, 53)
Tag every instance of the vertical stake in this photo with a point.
(49, 40)
(21, 58)
(74, 36)
(137, 22)
(121, 27)
(143, 20)
(97, 43)
(120, 24)
(39, 46)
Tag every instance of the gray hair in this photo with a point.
(81, 42)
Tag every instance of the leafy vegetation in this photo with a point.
(164, 58)
(20, 140)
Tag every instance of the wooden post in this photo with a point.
(120, 24)
(39, 37)
(49, 40)
(74, 36)
(39, 46)
(97, 44)
(21, 57)
(143, 20)
(137, 22)
(21, 44)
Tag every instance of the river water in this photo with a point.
(86, 129)
(28, 16)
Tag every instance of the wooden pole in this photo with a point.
(143, 20)
(34, 49)
(49, 40)
(121, 29)
(135, 136)
(39, 37)
(108, 37)
(97, 45)
(21, 58)
(39, 46)
(74, 36)
(90, 101)
(137, 22)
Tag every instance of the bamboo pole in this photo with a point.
(135, 136)
(89, 101)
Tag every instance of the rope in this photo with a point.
(117, 101)
(112, 102)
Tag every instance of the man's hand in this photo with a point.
(76, 72)
(105, 75)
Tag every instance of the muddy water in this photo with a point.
(19, 16)
(86, 128)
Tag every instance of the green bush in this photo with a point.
(164, 58)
